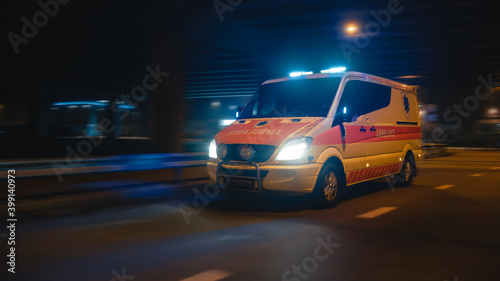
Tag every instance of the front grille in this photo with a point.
(262, 152)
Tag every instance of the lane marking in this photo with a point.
(476, 175)
(377, 212)
(211, 275)
(495, 168)
(446, 186)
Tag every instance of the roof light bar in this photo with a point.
(300, 73)
(339, 69)
(87, 104)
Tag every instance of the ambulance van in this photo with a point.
(318, 134)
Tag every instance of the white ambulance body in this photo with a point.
(319, 133)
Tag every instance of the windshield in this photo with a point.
(295, 98)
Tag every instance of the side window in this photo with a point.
(360, 98)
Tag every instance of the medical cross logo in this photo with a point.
(406, 103)
(262, 124)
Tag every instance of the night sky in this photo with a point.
(104, 46)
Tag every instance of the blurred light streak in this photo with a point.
(226, 122)
(409, 77)
(300, 73)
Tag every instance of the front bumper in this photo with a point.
(281, 178)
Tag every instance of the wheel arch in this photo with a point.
(332, 155)
(408, 149)
(339, 164)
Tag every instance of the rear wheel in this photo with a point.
(405, 176)
(329, 187)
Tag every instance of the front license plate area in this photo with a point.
(236, 183)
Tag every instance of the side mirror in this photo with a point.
(239, 110)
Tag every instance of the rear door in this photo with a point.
(407, 120)
(394, 125)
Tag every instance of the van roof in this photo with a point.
(360, 75)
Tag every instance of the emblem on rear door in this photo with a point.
(406, 105)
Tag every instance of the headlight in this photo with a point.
(294, 149)
(247, 152)
(222, 151)
(212, 149)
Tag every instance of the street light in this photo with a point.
(351, 29)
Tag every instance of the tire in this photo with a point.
(329, 188)
(405, 176)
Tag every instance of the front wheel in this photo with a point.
(329, 187)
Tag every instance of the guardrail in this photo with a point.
(116, 178)
(111, 164)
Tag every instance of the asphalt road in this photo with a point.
(444, 227)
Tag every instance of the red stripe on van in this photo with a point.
(369, 174)
(380, 171)
(384, 170)
(308, 128)
(399, 166)
(364, 176)
(350, 177)
(388, 170)
(332, 136)
(396, 168)
(358, 175)
(373, 172)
